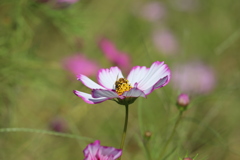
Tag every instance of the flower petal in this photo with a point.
(88, 97)
(156, 72)
(110, 152)
(162, 82)
(88, 82)
(108, 77)
(92, 148)
(137, 74)
(134, 92)
(98, 93)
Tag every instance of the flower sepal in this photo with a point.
(125, 101)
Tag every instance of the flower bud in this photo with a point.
(147, 135)
(187, 158)
(183, 100)
(58, 125)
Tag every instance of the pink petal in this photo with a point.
(95, 151)
(92, 148)
(98, 93)
(137, 74)
(88, 97)
(88, 82)
(108, 77)
(157, 71)
(134, 92)
(110, 151)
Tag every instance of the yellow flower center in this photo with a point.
(122, 85)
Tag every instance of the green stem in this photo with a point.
(124, 130)
(147, 150)
(171, 136)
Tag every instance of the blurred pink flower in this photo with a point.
(165, 42)
(59, 3)
(58, 124)
(186, 5)
(115, 56)
(63, 3)
(94, 151)
(193, 78)
(153, 11)
(79, 64)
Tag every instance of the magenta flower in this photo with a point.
(94, 151)
(165, 42)
(194, 78)
(115, 56)
(79, 64)
(140, 82)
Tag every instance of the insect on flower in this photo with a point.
(140, 82)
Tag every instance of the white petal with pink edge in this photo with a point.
(111, 151)
(134, 92)
(108, 77)
(88, 97)
(137, 74)
(162, 82)
(88, 82)
(98, 93)
(157, 71)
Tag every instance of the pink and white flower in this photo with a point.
(140, 82)
(94, 151)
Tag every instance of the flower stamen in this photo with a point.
(122, 85)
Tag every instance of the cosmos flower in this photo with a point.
(193, 78)
(140, 82)
(115, 56)
(94, 151)
(79, 64)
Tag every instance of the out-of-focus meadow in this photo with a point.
(44, 44)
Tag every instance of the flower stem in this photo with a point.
(171, 136)
(147, 150)
(124, 129)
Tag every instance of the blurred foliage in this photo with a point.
(35, 89)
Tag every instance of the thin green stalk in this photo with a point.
(124, 130)
(31, 130)
(147, 150)
(171, 136)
